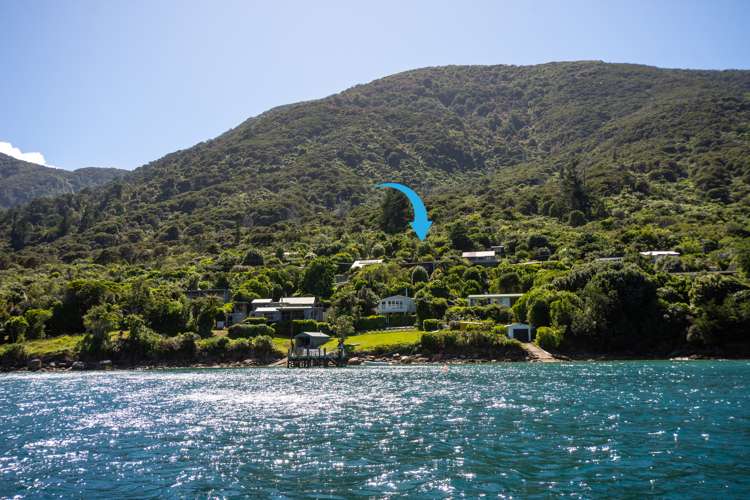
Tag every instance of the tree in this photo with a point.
(99, 321)
(252, 257)
(205, 310)
(16, 328)
(459, 236)
(344, 326)
(419, 275)
(573, 192)
(319, 278)
(37, 319)
(396, 212)
(378, 250)
(367, 300)
(576, 218)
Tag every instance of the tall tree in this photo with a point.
(396, 212)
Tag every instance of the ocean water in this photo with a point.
(581, 430)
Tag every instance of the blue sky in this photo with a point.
(121, 83)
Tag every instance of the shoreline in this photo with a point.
(415, 360)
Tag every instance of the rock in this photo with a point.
(405, 360)
(396, 356)
(354, 361)
(78, 366)
(34, 364)
(105, 365)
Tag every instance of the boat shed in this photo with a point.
(310, 340)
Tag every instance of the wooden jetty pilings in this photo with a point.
(310, 358)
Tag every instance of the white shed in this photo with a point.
(520, 331)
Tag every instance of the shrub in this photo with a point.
(16, 328)
(214, 346)
(576, 218)
(13, 355)
(242, 330)
(548, 338)
(429, 325)
(241, 348)
(37, 320)
(402, 320)
(255, 320)
(481, 343)
(324, 327)
(263, 347)
(370, 323)
(303, 325)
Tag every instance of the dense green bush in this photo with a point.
(370, 323)
(255, 320)
(480, 343)
(37, 320)
(13, 355)
(429, 325)
(16, 328)
(548, 338)
(395, 320)
(242, 330)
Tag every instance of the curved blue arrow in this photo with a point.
(421, 224)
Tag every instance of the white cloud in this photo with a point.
(10, 150)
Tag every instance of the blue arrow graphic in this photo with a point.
(421, 224)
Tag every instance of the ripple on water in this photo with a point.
(578, 429)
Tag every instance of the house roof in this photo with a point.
(298, 301)
(492, 295)
(482, 253)
(319, 335)
(659, 253)
(518, 325)
(362, 263)
(261, 301)
(267, 309)
(392, 297)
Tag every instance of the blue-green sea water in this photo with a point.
(582, 430)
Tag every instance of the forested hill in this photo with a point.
(487, 140)
(22, 182)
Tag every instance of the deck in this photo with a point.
(311, 358)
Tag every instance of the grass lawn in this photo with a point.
(50, 346)
(378, 339)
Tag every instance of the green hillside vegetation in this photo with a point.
(22, 182)
(560, 163)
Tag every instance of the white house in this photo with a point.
(503, 299)
(520, 331)
(287, 308)
(655, 255)
(483, 257)
(358, 264)
(396, 304)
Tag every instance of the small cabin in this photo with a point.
(520, 331)
(396, 304)
(486, 299)
(310, 340)
(483, 257)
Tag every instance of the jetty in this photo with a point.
(307, 351)
(538, 354)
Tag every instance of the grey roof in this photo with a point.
(298, 301)
(266, 309)
(482, 253)
(489, 295)
(313, 334)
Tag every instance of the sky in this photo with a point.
(121, 83)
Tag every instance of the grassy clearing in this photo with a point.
(378, 340)
(49, 347)
(281, 344)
